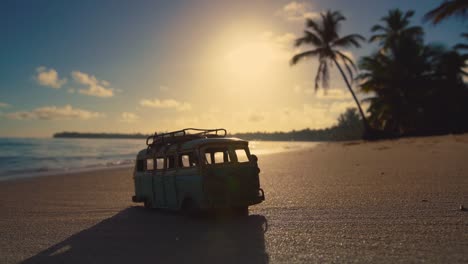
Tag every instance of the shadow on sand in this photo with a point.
(137, 235)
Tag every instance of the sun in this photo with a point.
(247, 53)
(250, 60)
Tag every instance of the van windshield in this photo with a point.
(217, 155)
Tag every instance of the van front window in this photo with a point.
(217, 155)
(242, 155)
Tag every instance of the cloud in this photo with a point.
(283, 40)
(129, 117)
(94, 87)
(49, 78)
(296, 11)
(55, 113)
(166, 104)
(4, 105)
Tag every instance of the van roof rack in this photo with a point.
(183, 135)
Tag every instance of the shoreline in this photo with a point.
(65, 172)
(316, 144)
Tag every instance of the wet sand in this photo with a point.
(386, 202)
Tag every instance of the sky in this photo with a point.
(144, 66)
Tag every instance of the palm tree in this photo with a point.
(327, 47)
(446, 9)
(396, 32)
(391, 73)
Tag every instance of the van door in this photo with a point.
(159, 192)
(146, 180)
(169, 179)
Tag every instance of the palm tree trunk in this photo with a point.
(367, 129)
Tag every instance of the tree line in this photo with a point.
(348, 127)
(412, 87)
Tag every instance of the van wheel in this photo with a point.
(241, 210)
(148, 204)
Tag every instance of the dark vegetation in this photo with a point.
(412, 87)
(349, 127)
(416, 88)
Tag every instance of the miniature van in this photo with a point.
(197, 169)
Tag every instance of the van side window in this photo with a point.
(242, 155)
(170, 162)
(187, 160)
(217, 155)
(160, 163)
(221, 157)
(150, 164)
(184, 160)
(140, 165)
(208, 158)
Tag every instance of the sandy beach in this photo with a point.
(375, 202)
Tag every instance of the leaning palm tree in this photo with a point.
(327, 47)
(446, 9)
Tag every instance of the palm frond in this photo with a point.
(348, 41)
(311, 53)
(347, 59)
(447, 9)
(314, 25)
(376, 38)
(415, 32)
(308, 38)
(409, 14)
(378, 27)
(337, 16)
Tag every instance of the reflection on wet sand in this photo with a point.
(138, 235)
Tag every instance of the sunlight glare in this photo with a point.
(250, 60)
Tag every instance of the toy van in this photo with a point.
(197, 169)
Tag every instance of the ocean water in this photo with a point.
(35, 157)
